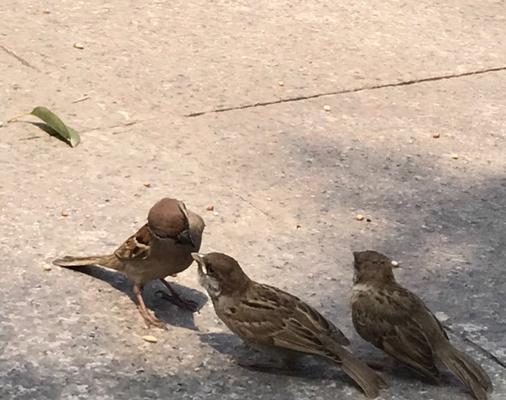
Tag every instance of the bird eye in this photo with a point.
(209, 269)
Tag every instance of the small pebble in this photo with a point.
(150, 339)
(147, 184)
(79, 46)
(436, 135)
(394, 263)
(455, 156)
(47, 267)
(281, 83)
(210, 207)
(326, 107)
(64, 213)
(359, 217)
(1, 124)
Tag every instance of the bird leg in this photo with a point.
(177, 300)
(384, 364)
(378, 365)
(264, 367)
(149, 319)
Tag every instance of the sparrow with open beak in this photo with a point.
(162, 247)
(266, 317)
(398, 322)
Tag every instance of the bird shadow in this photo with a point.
(163, 309)
(391, 369)
(252, 359)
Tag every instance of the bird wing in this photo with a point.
(394, 322)
(269, 316)
(137, 246)
(311, 318)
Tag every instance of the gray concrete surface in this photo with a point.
(286, 180)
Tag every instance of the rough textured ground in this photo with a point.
(286, 178)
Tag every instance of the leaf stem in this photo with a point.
(15, 119)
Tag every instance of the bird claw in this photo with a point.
(150, 320)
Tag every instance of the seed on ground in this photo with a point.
(150, 339)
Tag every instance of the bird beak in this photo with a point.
(185, 237)
(199, 258)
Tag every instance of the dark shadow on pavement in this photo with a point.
(163, 309)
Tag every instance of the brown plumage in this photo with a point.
(160, 248)
(398, 322)
(267, 317)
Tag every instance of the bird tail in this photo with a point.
(368, 380)
(467, 370)
(109, 261)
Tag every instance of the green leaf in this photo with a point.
(56, 124)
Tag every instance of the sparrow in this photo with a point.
(162, 247)
(268, 318)
(398, 322)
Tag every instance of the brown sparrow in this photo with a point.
(398, 322)
(160, 248)
(266, 317)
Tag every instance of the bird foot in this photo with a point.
(178, 301)
(151, 320)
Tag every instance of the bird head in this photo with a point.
(220, 274)
(168, 218)
(372, 267)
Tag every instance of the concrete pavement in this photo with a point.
(332, 111)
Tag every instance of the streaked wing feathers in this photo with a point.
(270, 316)
(391, 326)
(137, 246)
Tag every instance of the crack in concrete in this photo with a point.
(124, 124)
(20, 59)
(345, 91)
(253, 205)
(481, 349)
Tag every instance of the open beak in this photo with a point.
(199, 258)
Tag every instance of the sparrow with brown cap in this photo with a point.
(398, 322)
(269, 318)
(162, 247)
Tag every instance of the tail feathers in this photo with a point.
(368, 380)
(467, 370)
(109, 261)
